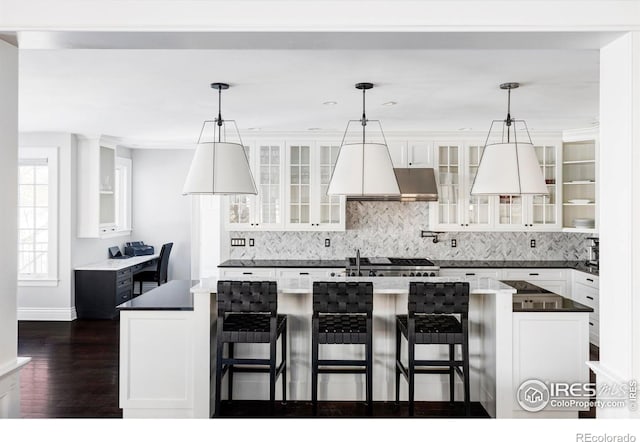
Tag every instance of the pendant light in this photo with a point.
(510, 166)
(363, 168)
(219, 167)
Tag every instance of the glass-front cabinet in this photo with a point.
(457, 209)
(310, 166)
(262, 211)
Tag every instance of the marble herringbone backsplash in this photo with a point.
(393, 229)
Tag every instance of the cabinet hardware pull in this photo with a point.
(591, 324)
(589, 297)
(534, 274)
(469, 274)
(247, 273)
(589, 279)
(304, 273)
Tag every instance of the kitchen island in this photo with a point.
(180, 385)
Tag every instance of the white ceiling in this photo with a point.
(152, 97)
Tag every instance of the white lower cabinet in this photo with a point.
(555, 280)
(585, 290)
(239, 272)
(480, 273)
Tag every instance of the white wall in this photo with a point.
(8, 201)
(161, 213)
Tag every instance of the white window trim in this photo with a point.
(51, 154)
(126, 163)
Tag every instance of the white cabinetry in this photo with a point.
(96, 185)
(585, 290)
(413, 153)
(309, 167)
(262, 211)
(554, 280)
(239, 272)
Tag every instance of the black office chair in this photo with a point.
(157, 274)
(342, 314)
(431, 320)
(248, 314)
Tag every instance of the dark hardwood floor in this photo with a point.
(74, 373)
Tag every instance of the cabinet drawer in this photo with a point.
(534, 274)
(586, 279)
(234, 272)
(123, 273)
(587, 296)
(480, 273)
(314, 273)
(124, 282)
(123, 295)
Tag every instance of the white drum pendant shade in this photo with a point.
(509, 169)
(363, 169)
(219, 168)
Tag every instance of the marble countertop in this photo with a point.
(382, 286)
(173, 295)
(117, 264)
(445, 264)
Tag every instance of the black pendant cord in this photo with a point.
(508, 120)
(219, 122)
(364, 115)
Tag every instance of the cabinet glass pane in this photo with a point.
(544, 206)
(240, 205)
(448, 176)
(478, 207)
(510, 210)
(270, 204)
(300, 188)
(329, 205)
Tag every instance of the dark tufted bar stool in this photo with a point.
(431, 320)
(342, 314)
(247, 313)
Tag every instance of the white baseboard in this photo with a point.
(47, 314)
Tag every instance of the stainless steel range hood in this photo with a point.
(416, 184)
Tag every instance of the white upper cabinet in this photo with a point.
(457, 209)
(265, 210)
(309, 167)
(96, 188)
(410, 153)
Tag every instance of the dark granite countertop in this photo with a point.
(444, 264)
(577, 265)
(174, 295)
(293, 263)
(531, 298)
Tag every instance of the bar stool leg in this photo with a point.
(411, 370)
(284, 368)
(369, 374)
(219, 347)
(230, 377)
(314, 367)
(452, 379)
(272, 375)
(398, 342)
(465, 372)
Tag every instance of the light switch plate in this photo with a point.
(238, 242)
(533, 243)
(251, 242)
(327, 242)
(454, 243)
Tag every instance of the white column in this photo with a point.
(9, 363)
(620, 215)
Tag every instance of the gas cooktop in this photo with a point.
(379, 266)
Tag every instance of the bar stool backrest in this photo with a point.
(247, 297)
(342, 297)
(438, 298)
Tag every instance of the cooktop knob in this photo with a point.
(432, 274)
(418, 274)
(411, 274)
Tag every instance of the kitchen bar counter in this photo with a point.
(173, 295)
(284, 263)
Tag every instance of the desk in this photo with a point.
(101, 286)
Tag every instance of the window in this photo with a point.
(38, 216)
(123, 194)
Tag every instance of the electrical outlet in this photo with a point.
(327, 242)
(251, 242)
(454, 243)
(533, 243)
(238, 242)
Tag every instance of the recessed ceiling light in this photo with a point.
(390, 103)
(254, 128)
(314, 128)
(330, 103)
(464, 129)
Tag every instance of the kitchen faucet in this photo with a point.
(357, 262)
